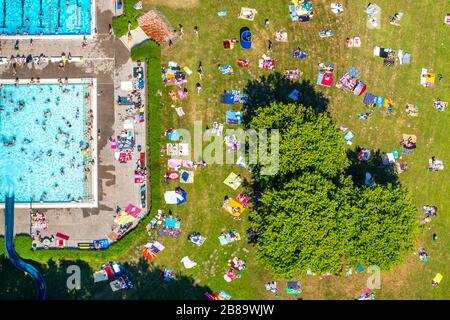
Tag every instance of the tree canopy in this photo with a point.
(311, 214)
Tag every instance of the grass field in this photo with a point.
(422, 33)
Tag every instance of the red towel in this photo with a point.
(62, 236)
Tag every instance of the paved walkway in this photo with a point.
(137, 36)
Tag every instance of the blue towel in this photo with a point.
(294, 95)
(223, 241)
(222, 13)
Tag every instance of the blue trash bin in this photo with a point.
(246, 39)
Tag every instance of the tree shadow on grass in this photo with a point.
(276, 88)
(384, 174)
(147, 281)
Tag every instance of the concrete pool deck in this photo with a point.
(107, 60)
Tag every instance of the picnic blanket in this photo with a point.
(440, 105)
(188, 263)
(233, 181)
(412, 110)
(293, 74)
(233, 117)
(234, 97)
(177, 149)
(180, 111)
(171, 233)
(186, 176)
(229, 237)
(325, 74)
(226, 70)
(233, 207)
(281, 36)
(247, 13)
(295, 95)
(267, 62)
(173, 197)
(427, 78)
(373, 16)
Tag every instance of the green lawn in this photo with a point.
(422, 34)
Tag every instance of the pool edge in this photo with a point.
(95, 181)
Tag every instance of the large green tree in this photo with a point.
(311, 215)
(309, 141)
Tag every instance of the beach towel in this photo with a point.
(294, 95)
(173, 135)
(187, 70)
(369, 99)
(226, 70)
(222, 13)
(180, 111)
(174, 163)
(173, 175)
(247, 14)
(220, 130)
(281, 36)
(233, 117)
(337, 8)
(186, 176)
(188, 263)
(233, 181)
(349, 136)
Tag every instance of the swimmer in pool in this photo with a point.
(49, 153)
(37, 159)
(36, 121)
(26, 141)
(23, 150)
(44, 195)
(61, 171)
(61, 154)
(55, 186)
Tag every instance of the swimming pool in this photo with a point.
(46, 17)
(44, 139)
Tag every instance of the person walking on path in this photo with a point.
(199, 88)
(181, 31)
(196, 31)
(110, 29)
(270, 46)
(200, 70)
(266, 23)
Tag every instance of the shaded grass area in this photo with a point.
(146, 279)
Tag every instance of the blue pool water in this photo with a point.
(49, 17)
(48, 129)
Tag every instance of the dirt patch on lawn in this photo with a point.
(174, 3)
